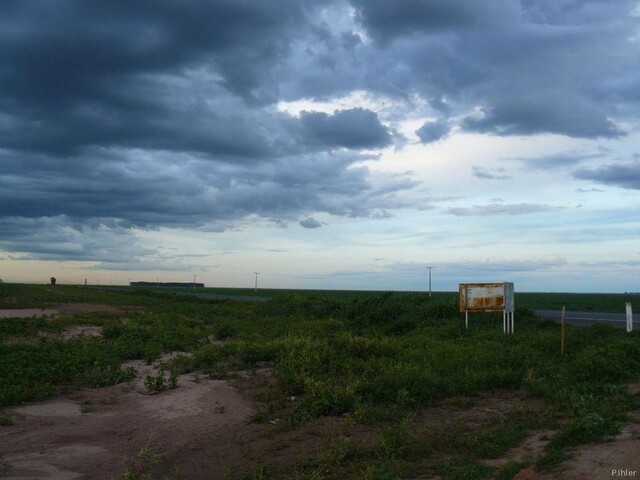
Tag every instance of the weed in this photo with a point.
(510, 470)
(158, 383)
(395, 440)
(5, 421)
(111, 399)
(4, 466)
(87, 407)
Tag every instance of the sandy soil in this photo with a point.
(202, 428)
(618, 458)
(27, 312)
(87, 434)
(64, 309)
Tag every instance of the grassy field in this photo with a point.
(379, 360)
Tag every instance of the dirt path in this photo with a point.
(64, 309)
(87, 434)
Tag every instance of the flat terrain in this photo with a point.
(119, 384)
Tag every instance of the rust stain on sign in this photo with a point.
(485, 296)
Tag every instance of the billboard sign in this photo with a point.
(488, 297)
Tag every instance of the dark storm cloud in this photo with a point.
(355, 129)
(415, 16)
(624, 175)
(57, 53)
(159, 74)
(529, 68)
(526, 116)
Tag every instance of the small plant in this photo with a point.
(5, 422)
(159, 384)
(110, 399)
(139, 467)
(87, 407)
(4, 466)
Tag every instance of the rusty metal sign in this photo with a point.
(485, 297)
(488, 297)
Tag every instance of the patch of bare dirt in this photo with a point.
(74, 308)
(81, 330)
(528, 451)
(617, 458)
(203, 428)
(86, 434)
(66, 309)
(27, 312)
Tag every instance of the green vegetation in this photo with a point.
(376, 359)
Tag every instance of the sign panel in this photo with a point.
(486, 297)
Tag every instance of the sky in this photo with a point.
(326, 144)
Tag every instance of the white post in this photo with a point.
(513, 323)
(629, 317)
(466, 319)
(562, 331)
(505, 330)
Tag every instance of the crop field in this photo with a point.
(327, 385)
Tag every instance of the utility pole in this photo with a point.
(429, 280)
(256, 286)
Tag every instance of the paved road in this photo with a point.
(589, 318)
(237, 298)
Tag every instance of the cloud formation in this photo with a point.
(432, 131)
(624, 175)
(161, 114)
(310, 223)
(501, 209)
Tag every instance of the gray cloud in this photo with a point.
(533, 67)
(544, 114)
(501, 209)
(355, 129)
(560, 160)
(433, 131)
(489, 173)
(436, 16)
(156, 114)
(624, 175)
(310, 222)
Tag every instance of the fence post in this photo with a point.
(629, 316)
(562, 332)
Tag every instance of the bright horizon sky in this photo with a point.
(342, 144)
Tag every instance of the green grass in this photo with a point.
(378, 358)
